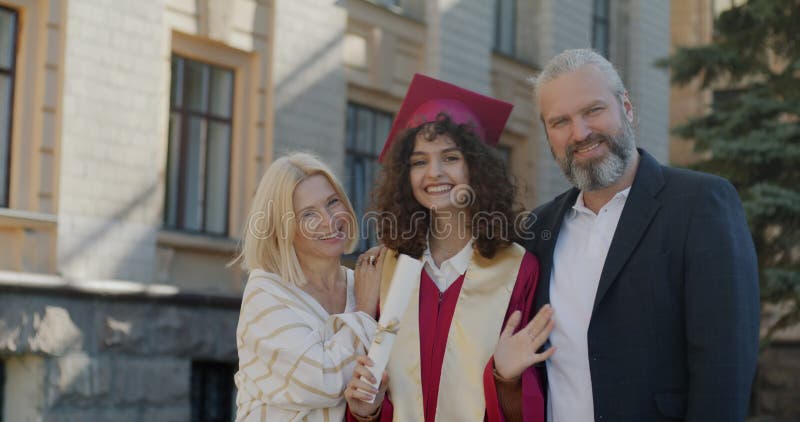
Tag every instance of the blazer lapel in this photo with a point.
(551, 225)
(640, 208)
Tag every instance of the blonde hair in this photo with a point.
(267, 241)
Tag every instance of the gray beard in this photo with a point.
(602, 173)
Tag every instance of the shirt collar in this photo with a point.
(459, 262)
(580, 206)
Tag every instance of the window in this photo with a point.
(212, 391)
(8, 54)
(198, 160)
(367, 130)
(505, 26)
(601, 27)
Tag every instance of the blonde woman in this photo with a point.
(304, 316)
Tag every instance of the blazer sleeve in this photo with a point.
(722, 306)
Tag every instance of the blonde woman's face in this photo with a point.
(321, 219)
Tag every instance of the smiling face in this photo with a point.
(437, 168)
(589, 128)
(321, 218)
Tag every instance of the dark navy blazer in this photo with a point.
(674, 328)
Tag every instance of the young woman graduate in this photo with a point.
(446, 197)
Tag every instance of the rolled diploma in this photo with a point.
(404, 281)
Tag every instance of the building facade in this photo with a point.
(134, 134)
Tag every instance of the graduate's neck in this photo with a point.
(448, 235)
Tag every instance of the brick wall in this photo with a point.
(649, 40)
(112, 124)
(691, 25)
(465, 43)
(309, 79)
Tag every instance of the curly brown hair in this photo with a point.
(403, 223)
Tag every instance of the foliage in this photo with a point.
(752, 133)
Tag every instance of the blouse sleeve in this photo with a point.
(292, 357)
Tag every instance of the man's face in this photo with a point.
(589, 128)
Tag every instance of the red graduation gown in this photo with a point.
(436, 313)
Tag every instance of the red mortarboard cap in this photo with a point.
(427, 97)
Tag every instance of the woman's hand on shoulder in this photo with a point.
(515, 352)
(369, 267)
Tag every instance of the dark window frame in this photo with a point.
(185, 112)
(11, 72)
(352, 152)
(603, 21)
(497, 42)
(202, 372)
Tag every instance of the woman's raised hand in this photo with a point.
(515, 352)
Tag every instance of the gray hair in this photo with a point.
(572, 60)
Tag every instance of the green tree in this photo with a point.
(752, 135)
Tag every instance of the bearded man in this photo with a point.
(651, 271)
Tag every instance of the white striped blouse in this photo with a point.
(294, 358)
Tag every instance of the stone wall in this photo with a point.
(84, 357)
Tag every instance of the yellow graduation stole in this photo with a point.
(477, 323)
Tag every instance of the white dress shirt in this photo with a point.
(578, 260)
(450, 270)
